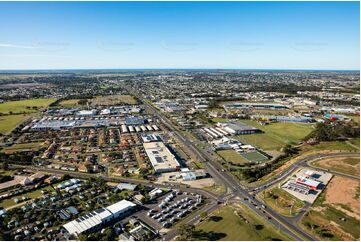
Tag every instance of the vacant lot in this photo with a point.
(25, 106)
(232, 156)
(335, 214)
(113, 100)
(345, 165)
(69, 103)
(236, 223)
(282, 201)
(276, 135)
(9, 122)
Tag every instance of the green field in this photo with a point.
(281, 201)
(226, 224)
(219, 120)
(276, 135)
(25, 106)
(6, 203)
(332, 145)
(9, 122)
(232, 157)
(254, 157)
(263, 141)
(69, 103)
(22, 147)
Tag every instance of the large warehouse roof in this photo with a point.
(160, 157)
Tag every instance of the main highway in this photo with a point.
(215, 170)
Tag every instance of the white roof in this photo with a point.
(120, 206)
(96, 217)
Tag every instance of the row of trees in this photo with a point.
(331, 131)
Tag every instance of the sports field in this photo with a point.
(276, 135)
(254, 157)
(236, 223)
(25, 106)
(232, 157)
(9, 122)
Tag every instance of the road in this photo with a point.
(215, 170)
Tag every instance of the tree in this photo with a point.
(186, 231)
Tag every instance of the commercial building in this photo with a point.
(150, 138)
(312, 184)
(97, 219)
(160, 157)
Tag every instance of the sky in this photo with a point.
(127, 35)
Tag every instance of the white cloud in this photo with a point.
(2, 45)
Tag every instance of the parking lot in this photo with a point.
(165, 211)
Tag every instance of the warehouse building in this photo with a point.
(95, 220)
(237, 128)
(254, 106)
(160, 157)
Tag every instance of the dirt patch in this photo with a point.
(341, 191)
(341, 164)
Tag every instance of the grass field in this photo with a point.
(6, 203)
(281, 201)
(347, 165)
(24, 106)
(232, 157)
(69, 103)
(219, 120)
(9, 122)
(332, 145)
(229, 223)
(113, 100)
(276, 135)
(254, 157)
(22, 147)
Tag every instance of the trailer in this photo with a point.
(155, 127)
(149, 127)
(137, 129)
(144, 129)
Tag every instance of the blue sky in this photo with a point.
(245, 35)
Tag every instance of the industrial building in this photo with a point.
(150, 138)
(97, 219)
(237, 128)
(290, 119)
(160, 157)
(254, 106)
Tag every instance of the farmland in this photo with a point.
(236, 223)
(25, 106)
(69, 103)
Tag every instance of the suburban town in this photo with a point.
(140, 155)
(180, 120)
